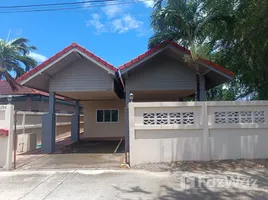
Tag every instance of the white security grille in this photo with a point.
(243, 117)
(168, 118)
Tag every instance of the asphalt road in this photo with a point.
(127, 184)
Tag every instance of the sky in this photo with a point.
(116, 33)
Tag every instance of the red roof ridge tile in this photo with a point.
(176, 45)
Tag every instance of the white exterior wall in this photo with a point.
(200, 131)
(6, 141)
(40, 106)
(29, 128)
(92, 129)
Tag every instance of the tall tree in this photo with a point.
(243, 47)
(14, 57)
(184, 22)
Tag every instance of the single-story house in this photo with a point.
(159, 74)
(29, 99)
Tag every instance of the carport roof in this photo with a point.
(62, 53)
(125, 67)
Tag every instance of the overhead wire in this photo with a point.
(64, 6)
(56, 4)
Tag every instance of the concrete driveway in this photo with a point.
(79, 155)
(124, 184)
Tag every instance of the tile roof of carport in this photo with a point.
(164, 44)
(61, 53)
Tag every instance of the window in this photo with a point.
(107, 116)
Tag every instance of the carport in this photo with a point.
(94, 85)
(85, 154)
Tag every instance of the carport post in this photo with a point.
(202, 87)
(75, 132)
(127, 126)
(49, 127)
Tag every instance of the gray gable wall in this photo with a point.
(161, 73)
(82, 75)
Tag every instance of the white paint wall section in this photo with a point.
(6, 137)
(29, 128)
(93, 129)
(178, 131)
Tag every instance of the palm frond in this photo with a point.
(14, 65)
(161, 37)
(184, 22)
(21, 45)
(29, 62)
(14, 57)
(18, 41)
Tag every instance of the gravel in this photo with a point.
(197, 166)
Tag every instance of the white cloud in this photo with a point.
(96, 23)
(112, 10)
(126, 23)
(148, 3)
(117, 25)
(38, 57)
(114, 18)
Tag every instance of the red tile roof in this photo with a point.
(174, 44)
(61, 53)
(5, 89)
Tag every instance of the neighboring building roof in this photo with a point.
(61, 53)
(5, 89)
(174, 44)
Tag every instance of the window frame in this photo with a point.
(110, 122)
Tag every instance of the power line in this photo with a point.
(58, 9)
(55, 4)
(70, 6)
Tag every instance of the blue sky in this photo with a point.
(115, 33)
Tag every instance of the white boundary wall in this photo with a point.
(29, 128)
(6, 137)
(175, 131)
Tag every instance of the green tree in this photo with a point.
(14, 57)
(243, 47)
(185, 22)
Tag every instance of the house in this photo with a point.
(29, 99)
(159, 74)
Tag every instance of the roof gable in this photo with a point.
(73, 47)
(161, 47)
